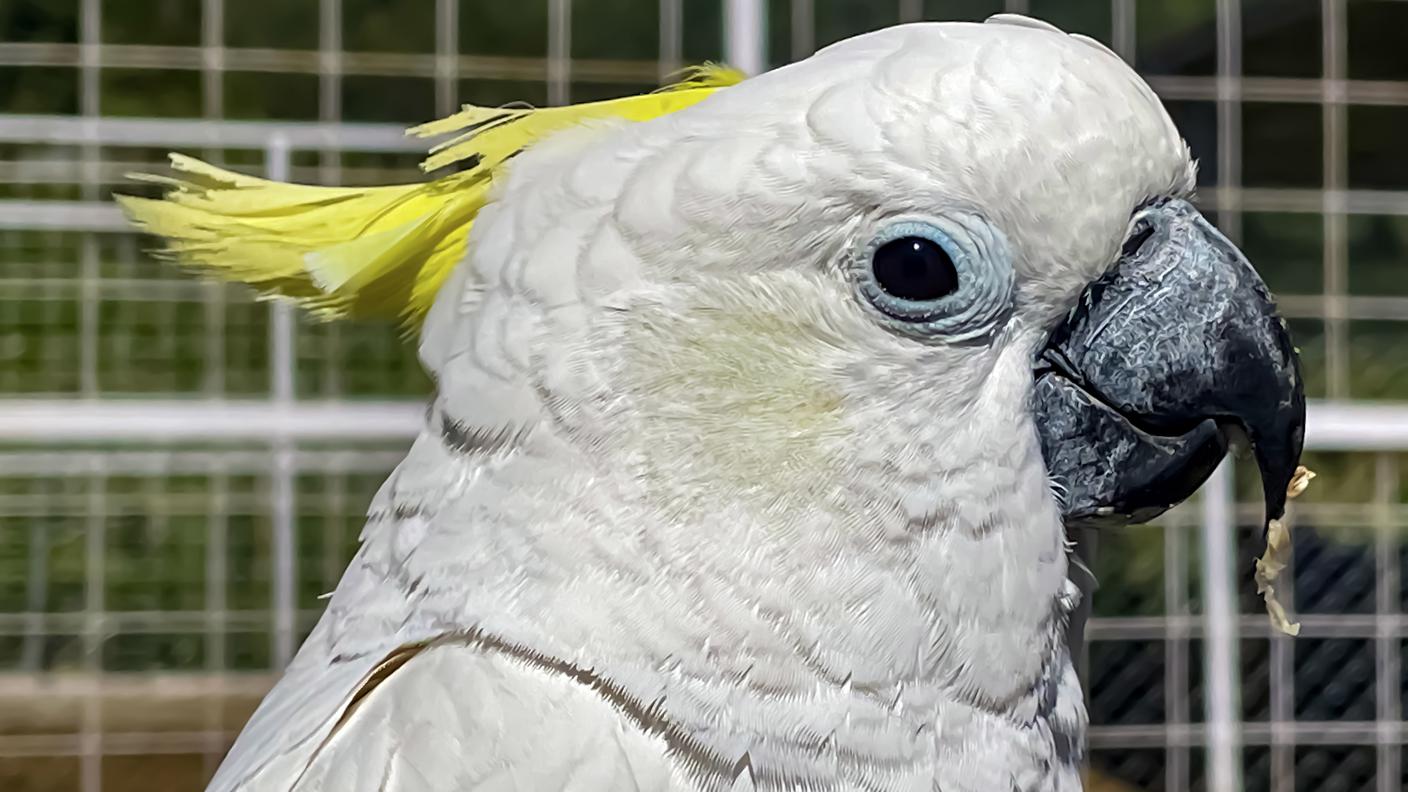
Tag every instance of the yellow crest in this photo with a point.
(369, 251)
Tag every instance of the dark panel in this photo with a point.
(841, 19)
(276, 24)
(388, 26)
(1091, 17)
(1338, 768)
(1286, 249)
(518, 28)
(1139, 768)
(1378, 252)
(260, 95)
(1309, 337)
(1129, 563)
(1254, 660)
(1333, 576)
(1378, 359)
(1376, 139)
(1334, 679)
(162, 22)
(40, 20)
(1197, 122)
(400, 100)
(1176, 37)
(616, 30)
(1126, 682)
(1281, 38)
(51, 90)
(1375, 44)
(150, 92)
(1281, 145)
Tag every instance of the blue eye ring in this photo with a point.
(980, 259)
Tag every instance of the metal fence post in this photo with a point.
(1219, 540)
(559, 51)
(281, 376)
(745, 35)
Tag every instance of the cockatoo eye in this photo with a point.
(932, 276)
(914, 268)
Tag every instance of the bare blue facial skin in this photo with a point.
(1166, 358)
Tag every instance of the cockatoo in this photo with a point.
(762, 409)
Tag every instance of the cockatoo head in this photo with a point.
(933, 247)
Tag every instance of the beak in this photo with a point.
(1165, 360)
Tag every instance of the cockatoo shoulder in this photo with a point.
(466, 715)
(460, 717)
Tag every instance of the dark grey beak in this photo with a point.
(1166, 358)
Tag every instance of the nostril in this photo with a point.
(1141, 233)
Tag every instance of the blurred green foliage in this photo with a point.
(156, 531)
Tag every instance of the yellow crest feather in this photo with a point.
(369, 251)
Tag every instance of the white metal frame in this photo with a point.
(1332, 426)
(745, 35)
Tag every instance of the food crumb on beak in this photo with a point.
(1278, 551)
(1299, 481)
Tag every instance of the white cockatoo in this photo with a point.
(762, 410)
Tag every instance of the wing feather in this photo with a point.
(457, 718)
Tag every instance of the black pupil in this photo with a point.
(914, 268)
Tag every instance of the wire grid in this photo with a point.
(150, 572)
(1321, 711)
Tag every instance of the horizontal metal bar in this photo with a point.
(1354, 522)
(1292, 200)
(291, 61)
(42, 463)
(1327, 733)
(200, 133)
(115, 743)
(1356, 426)
(1280, 89)
(1143, 628)
(184, 684)
(1253, 733)
(1330, 425)
(50, 170)
(1249, 625)
(142, 622)
(62, 216)
(146, 290)
(54, 422)
(1363, 518)
(1327, 306)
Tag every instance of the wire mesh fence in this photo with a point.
(150, 587)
